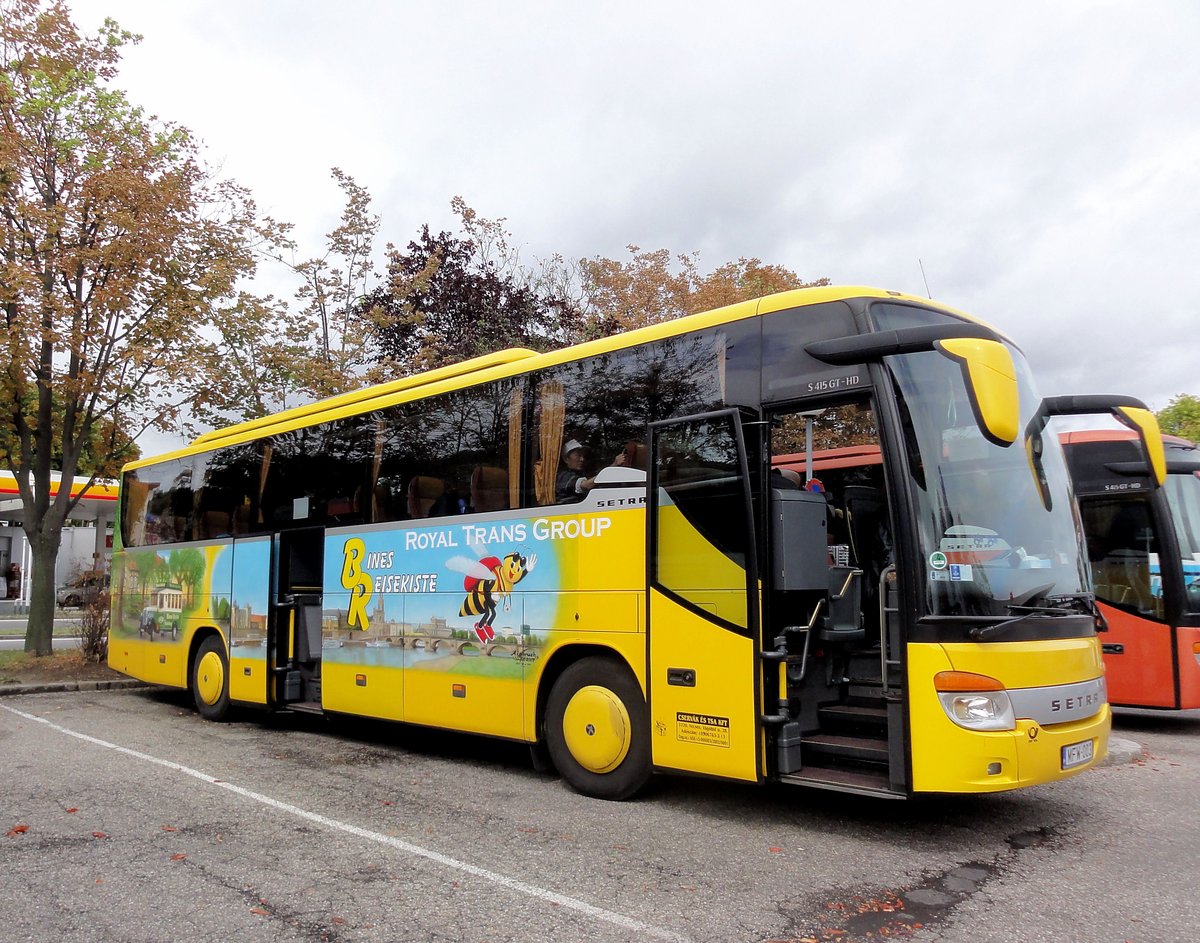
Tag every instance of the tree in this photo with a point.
(449, 298)
(332, 329)
(119, 257)
(1181, 417)
(650, 287)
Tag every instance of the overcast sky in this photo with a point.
(1041, 159)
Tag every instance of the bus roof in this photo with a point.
(514, 361)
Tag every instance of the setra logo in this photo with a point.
(1075, 703)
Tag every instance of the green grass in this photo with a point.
(64, 625)
(12, 661)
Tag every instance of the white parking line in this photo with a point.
(492, 877)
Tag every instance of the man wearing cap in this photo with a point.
(571, 483)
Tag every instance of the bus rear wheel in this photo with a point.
(597, 729)
(210, 679)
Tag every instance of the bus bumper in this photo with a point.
(993, 761)
(949, 758)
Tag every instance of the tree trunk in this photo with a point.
(39, 635)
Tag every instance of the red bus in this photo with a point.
(1143, 546)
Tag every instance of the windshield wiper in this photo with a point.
(1068, 604)
(1044, 610)
(983, 632)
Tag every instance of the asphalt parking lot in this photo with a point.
(126, 817)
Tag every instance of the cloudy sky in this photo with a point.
(1041, 160)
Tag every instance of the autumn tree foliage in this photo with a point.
(652, 286)
(451, 297)
(1181, 416)
(120, 258)
(328, 344)
(448, 297)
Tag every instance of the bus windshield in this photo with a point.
(991, 540)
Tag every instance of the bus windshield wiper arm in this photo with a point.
(982, 632)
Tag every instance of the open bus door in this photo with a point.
(295, 617)
(703, 588)
(831, 602)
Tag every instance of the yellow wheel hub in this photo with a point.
(596, 729)
(210, 678)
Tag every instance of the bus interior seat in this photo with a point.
(423, 491)
(636, 455)
(308, 631)
(340, 507)
(864, 507)
(489, 489)
(212, 524)
(791, 476)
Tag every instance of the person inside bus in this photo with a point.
(573, 482)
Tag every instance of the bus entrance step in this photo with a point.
(853, 716)
(870, 749)
(872, 782)
(305, 707)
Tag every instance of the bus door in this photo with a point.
(250, 662)
(831, 619)
(1126, 558)
(703, 588)
(295, 616)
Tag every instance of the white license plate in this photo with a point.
(1076, 754)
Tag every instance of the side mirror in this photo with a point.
(991, 381)
(1127, 410)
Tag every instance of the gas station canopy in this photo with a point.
(98, 503)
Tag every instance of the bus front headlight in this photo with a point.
(975, 701)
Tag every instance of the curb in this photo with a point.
(1122, 751)
(54, 687)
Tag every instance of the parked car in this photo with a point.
(81, 589)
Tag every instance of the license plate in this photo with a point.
(1076, 754)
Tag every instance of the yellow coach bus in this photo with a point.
(596, 551)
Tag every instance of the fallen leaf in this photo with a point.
(99, 835)
(260, 911)
(72, 810)
(168, 828)
(338, 920)
(178, 857)
(17, 830)
(775, 850)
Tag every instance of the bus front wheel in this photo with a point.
(597, 729)
(210, 679)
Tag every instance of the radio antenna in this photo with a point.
(924, 279)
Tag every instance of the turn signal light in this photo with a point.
(965, 681)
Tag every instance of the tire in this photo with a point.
(210, 679)
(71, 602)
(597, 729)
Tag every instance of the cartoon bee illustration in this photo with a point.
(489, 580)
